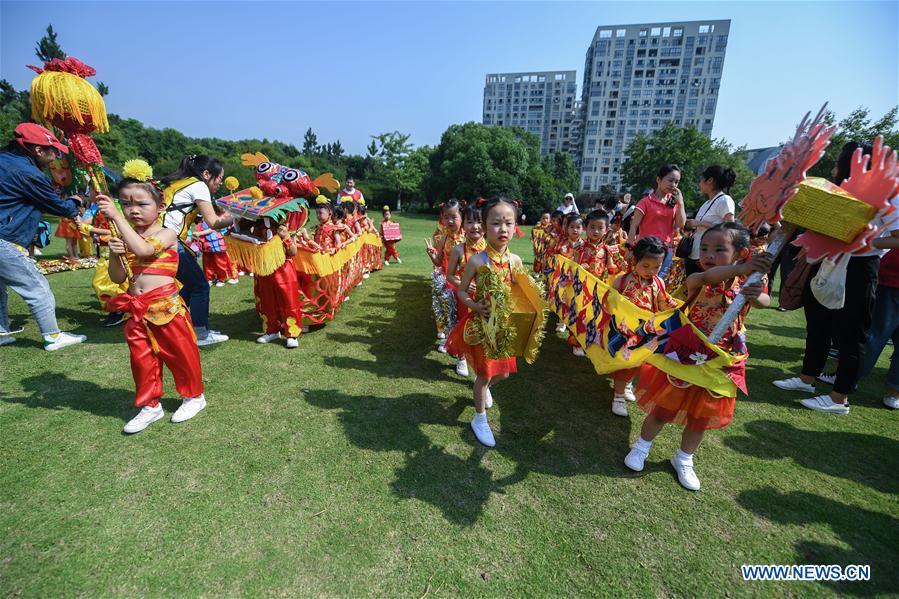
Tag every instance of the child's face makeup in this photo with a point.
(323, 215)
(139, 207)
(596, 230)
(474, 230)
(649, 266)
(452, 220)
(716, 249)
(575, 230)
(500, 225)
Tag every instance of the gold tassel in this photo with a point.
(64, 95)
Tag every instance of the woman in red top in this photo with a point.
(660, 213)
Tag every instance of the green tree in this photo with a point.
(688, 148)
(390, 166)
(310, 143)
(48, 48)
(858, 125)
(336, 151)
(102, 89)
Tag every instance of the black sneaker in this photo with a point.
(114, 319)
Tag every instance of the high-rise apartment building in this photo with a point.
(637, 78)
(543, 103)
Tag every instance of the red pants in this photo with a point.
(390, 250)
(217, 266)
(278, 300)
(177, 350)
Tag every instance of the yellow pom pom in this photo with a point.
(137, 169)
(256, 193)
(231, 183)
(321, 200)
(386, 207)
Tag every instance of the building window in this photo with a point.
(606, 33)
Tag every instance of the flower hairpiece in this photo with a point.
(320, 200)
(139, 170)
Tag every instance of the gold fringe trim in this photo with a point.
(257, 258)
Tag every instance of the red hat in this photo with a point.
(31, 133)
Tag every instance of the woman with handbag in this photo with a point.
(847, 327)
(715, 182)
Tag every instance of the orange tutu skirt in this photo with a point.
(673, 400)
(474, 354)
(67, 229)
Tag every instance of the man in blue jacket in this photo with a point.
(26, 192)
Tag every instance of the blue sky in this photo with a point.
(350, 70)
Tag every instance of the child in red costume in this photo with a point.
(278, 297)
(389, 246)
(159, 331)
(726, 259)
(643, 287)
(499, 220)
(569, 245)
(448, 234)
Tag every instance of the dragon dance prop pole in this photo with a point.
(778, 241)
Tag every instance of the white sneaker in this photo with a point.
(212, 337)
(292, 343)
(686, 476)
(441, 347)
(890, 402)
(398, 261)
(794, 384)
(823, 403)
(482, 431)
(619, 406)
(441, 335)
(488, 401)
(269, 337)
(7, 339)
(219, 284)
(233, 281)
(462, 367)
(144, 418)
(366, 275)
(386, 262)
(636, 459)
(629, 392)
(211, 283)
(61, 340)
(189, 408)
(579, 352)
(827, 378)
(346, 299)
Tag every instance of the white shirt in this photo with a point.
(183, 203)
(711, 213)
(566, 208)
(884, 232)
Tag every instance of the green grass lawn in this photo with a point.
(347, 467)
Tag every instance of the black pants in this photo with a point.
(785, 261)
(846, 327)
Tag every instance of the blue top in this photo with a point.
(26, 192)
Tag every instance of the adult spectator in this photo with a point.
(846, 328)
(715, 182)
(568, 205)
(660, 213)
(190, 189)
(349, 190)
(26, 192)
(885, 326)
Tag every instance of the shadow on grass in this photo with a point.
(544, 422)
(870, 536)
(869, 460)
(56, 391)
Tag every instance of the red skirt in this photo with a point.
(67, 229)
(474, 354)
(672, 400)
